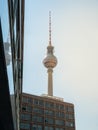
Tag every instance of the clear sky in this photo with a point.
(75, 38)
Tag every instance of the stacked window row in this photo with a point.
(45, 120)
(26, 126)
(45, 104)
(51, 113)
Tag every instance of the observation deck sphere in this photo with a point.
(50, 61)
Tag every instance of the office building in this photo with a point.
(46, 113)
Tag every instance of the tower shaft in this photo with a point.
(50, 82)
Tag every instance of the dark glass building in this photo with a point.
(11, 28)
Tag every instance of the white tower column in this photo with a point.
(50, 82)
(50, 61)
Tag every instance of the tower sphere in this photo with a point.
(50, 61)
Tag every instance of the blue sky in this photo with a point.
(75, 38)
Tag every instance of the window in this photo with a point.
(48, 112)
(38, 110)
(49, 105)
(35, 101)
(36, 127)
(41, 103)
(46, 127)
(25, 116)
(30, 100)
(39, 127)
(27, 108)
(38, 102)
(48, 120)
(59, 114)
(49, 128)
(69, 116)
(25, 126)
(59, 129)
(61, 107)
(69, 109)
(26, 100)
(37, 118)
(57, 106)
(59, 122)
(69, 124)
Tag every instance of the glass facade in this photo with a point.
(12, 21)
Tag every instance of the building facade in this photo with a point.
(46, 113)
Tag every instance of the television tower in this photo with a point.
(50, 61)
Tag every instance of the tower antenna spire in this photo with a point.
(50, 28)
(50, 61)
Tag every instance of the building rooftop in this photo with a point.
(53, 97)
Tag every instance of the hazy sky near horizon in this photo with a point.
(75, 41)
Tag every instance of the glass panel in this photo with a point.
(59, 122)
(35, 101)
(41, 103)
(49, 105)
(27, 108)
(69, 116)
(48, 120)
(37, 118)
(69, 109)
(38, 110)
(39, 127)
(69, 124)
(49, 128)
(27, 100)
(59, 129)
(61, 107)
(59, 114)
(57, 106)
(25, 126)
(25, 116)
(38, 102)
(34, 127)
(24, 99)
(49, 112)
